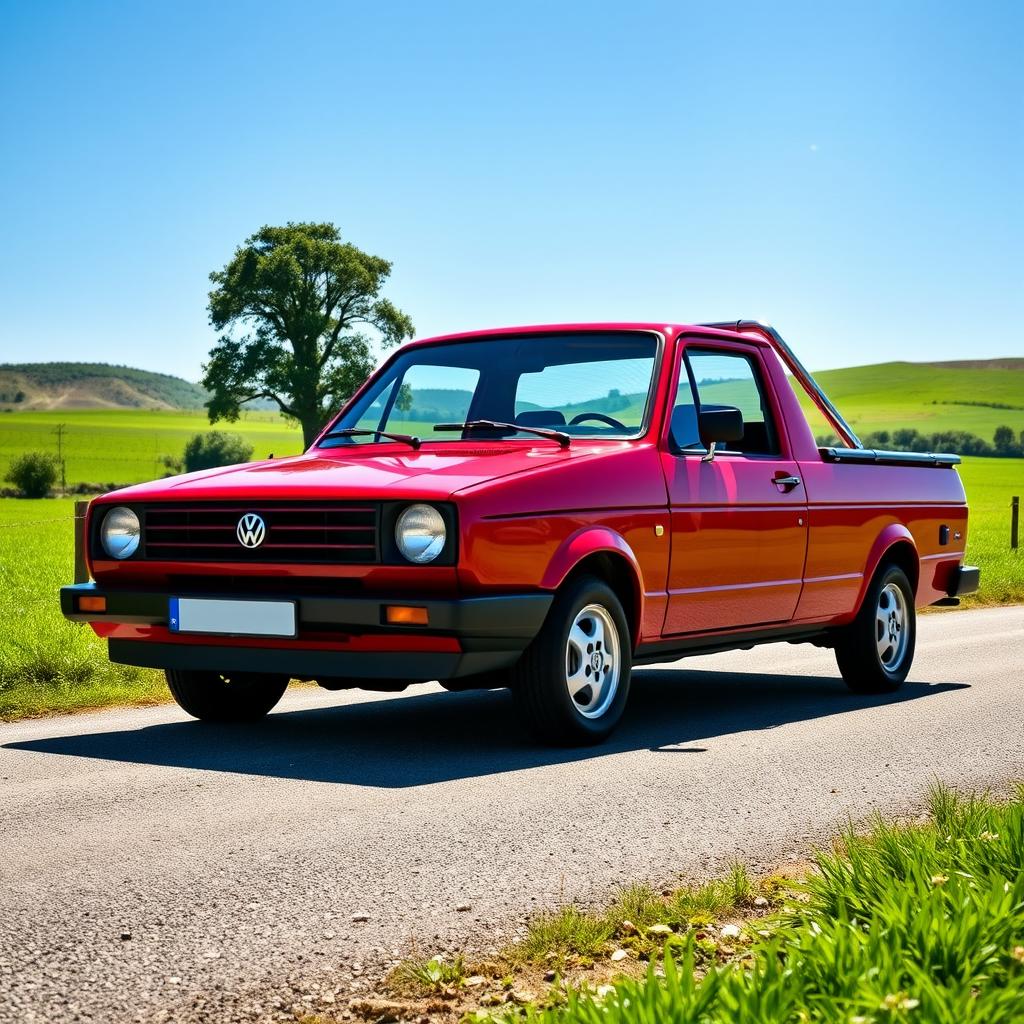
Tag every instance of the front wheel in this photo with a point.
(573, 680)
(225, 696)
(876, 650)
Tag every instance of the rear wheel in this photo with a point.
(876, 650)
(572, 682)
(226, 696)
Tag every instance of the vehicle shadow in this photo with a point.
(426, 738)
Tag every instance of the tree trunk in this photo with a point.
(312, 424)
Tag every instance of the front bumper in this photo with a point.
(339, 637)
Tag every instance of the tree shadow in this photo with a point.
(426, 738)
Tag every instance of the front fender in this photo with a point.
(596, 540)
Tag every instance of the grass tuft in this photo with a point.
(436, 976)
(559, 934)
(714, 898)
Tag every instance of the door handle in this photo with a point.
(789, 482)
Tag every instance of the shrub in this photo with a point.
(34, 474)
(216, 448)
(173, 464)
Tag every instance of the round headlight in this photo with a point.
(120, 532)
(420, 533)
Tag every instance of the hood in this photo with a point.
(434, 472)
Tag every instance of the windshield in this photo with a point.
(584, 385)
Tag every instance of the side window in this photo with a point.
(729, 378)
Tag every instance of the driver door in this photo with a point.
(738, 521)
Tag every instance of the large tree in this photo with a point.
(301, 310)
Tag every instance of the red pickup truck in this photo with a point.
(536, 508)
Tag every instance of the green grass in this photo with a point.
(989, 484)
(561, 934)
(125, 446)
(917, 922)
(46, 663)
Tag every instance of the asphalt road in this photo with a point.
(155, 868)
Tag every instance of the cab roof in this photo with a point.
(667, 329)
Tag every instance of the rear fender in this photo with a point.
(893, 534)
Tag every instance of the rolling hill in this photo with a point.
(93, 386)
(970, 395)
(974, 395)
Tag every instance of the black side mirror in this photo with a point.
(720, 423)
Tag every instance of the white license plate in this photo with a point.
(232, 618)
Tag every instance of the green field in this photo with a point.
(125, 446)
(47, 664)
(990, 483)
(893, 396)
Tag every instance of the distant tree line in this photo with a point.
(1004, 444)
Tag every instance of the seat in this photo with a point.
(756, 440)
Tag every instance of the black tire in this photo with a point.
(540, 677)
(225, 697)
(882, 620)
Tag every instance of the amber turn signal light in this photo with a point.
(92, 604)
(402, 615)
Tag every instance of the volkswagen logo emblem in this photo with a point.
(251, 530)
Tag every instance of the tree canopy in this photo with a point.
(301, 310)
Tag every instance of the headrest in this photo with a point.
(541, 418)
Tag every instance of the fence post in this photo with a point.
(81, 569)
(1014, 519)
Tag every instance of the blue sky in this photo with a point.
(852, 173)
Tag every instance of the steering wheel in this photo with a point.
(600, 417)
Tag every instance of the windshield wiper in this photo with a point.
(558, 436)
(408, 439)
